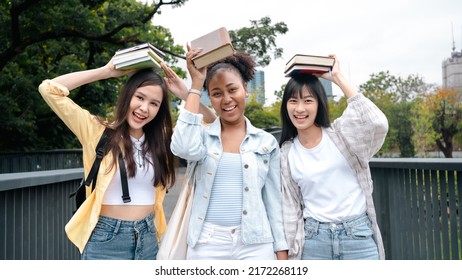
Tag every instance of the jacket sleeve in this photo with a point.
(272, 197)
(78, 120)
(292, 208)
(363, 126)
(187, 138)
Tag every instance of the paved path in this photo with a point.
(172, 195)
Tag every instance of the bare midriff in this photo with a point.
(126, 212)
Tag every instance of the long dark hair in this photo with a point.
(293, 88)
(158, 132)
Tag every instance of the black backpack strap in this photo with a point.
(123, 176)
(100, 153)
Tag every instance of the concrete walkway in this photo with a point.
(172, 195)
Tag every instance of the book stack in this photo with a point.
(309, 64)
(215, 45)
(138, 57)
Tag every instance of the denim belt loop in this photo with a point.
(346, 226)
(117, 226)
(149, 221)
(316, 227)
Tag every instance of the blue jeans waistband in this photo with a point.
(338, 225)
(140, 224)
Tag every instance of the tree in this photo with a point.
(443, 111)
(259, 39)
(41, 39)
(336, 108)
(423, 133)
(260, 117)
(394, 96)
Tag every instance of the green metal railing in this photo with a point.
(418, 203)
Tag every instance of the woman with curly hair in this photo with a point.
(237, 203)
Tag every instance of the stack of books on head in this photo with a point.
(138, 57)
(215, 45)
(308, 64)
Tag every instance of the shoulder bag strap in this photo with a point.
(123, 176)
(100, 153)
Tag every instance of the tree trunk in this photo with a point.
(445, 145)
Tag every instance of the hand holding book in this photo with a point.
(215, 46)
(197, 74)
(336, 76)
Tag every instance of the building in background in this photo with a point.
(205, 99)
(328, 88)
(452, 71)
(257, 87)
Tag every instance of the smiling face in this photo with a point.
(227, 95)
(302, 109)
(144, 106)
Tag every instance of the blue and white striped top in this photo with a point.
(225, 205)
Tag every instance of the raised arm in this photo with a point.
(177, 86)
(76, 79)
(197, 77)
(337, 78)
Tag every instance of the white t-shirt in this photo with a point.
(329, 186)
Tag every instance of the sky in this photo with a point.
(404, 37)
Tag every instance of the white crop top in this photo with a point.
(141, 189)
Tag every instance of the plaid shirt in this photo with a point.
(358, 134)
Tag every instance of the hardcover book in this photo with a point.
(215, 45)
(138, 57)
(305, 69)
(301, 63)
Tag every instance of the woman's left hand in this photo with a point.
(174, 83)
(330, 76)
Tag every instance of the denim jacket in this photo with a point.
(262, 219)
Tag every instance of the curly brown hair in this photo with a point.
(242, 63)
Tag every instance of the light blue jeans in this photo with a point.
(114, 239)
(347, 240)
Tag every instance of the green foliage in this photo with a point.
(438, 120)
(400, 121)
(260, 117)
(259, 39)
(43, 39)
(336, 108)
(275, 111)
(424, 135)
(395, 97)
(279, 93)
